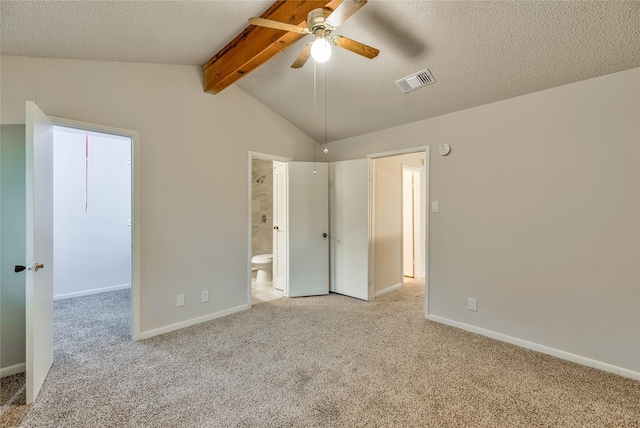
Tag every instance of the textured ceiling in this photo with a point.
(478, 52)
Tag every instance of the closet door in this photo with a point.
(39, 249)
(308, 218)
(349, 202)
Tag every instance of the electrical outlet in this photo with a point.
(204, 296)
(180, 300)
(473, 304)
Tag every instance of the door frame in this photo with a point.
(417, 262)
(424, 191)
(250, 156)
(135, 207)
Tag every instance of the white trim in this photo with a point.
(11, 370)
(372, 230)
(251, 156)
(386, 290)
(426, 224)
(90, 292)
(265, 156)
(188, 323)
(78, 124)
(135, 208)
(610, 368)
(398, 152)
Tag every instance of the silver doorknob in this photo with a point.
(34, 267)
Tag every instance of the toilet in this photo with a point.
(264, 263)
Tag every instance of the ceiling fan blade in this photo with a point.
(303, 57)
(261, 22)
(355, 47)
(344, 11)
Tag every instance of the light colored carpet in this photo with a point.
(318, 361)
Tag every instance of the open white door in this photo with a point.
(39, 249)
(279, 225)
(408, 256)
(308, 218)
(349, 208)
(411, 221)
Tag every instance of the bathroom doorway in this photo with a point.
(267, 228)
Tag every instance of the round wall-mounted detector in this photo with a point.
(444, 149)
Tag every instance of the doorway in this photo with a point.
(399, 194)
(92, 239)
(39, 239)
(126, 160)
(92, 212)
(267, 228)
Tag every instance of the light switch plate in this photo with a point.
(180, 300)
(435, 206)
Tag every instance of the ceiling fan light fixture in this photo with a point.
(321, 49)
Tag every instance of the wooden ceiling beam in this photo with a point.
(256, 45)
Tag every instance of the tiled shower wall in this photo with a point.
(261, 204)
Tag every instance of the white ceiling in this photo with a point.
(478, 52)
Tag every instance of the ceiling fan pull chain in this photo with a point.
(315, 114)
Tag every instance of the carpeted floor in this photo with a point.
(318, 361)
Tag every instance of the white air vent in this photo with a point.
(415, 81)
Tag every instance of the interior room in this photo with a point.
(92, 212)
(525, 309)
(263, 287)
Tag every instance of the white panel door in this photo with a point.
(308, 217)
(279, 225)
(349, 216)
(39, 249)
(408, 255)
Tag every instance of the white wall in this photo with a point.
(388, 218)
(92, 208)
(539, 215)
(261, 204)
(193, 168)
(12, 248)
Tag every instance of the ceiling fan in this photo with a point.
(321, 24)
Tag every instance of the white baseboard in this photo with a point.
(386, 290)
(90, 292)
(540, 348)
(11, 370)
(188, 323)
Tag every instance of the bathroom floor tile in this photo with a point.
(264, 292)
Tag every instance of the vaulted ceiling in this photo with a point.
(478, 52)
